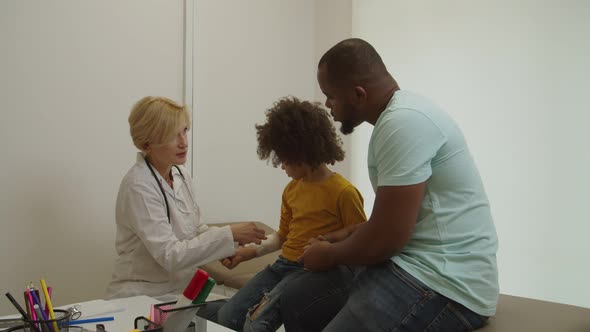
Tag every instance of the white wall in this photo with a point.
(70, 72)
(515, 77)
(247, 55)
(333, 23)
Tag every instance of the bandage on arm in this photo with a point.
(272, 243)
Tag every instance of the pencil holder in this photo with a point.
(62, 319)
(165, 317)
(176, 319)
(27, 329)
(145, 325)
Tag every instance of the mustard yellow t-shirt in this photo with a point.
(310, 209)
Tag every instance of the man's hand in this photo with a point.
(242, 255)
(247, 232)
(341, 234)
(309, 243)
(317, 256)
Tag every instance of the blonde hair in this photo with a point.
(156, 120)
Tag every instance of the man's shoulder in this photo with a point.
(410, 104)
(410, 114)
(404, 99)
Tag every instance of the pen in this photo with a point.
(38, 310)
(29, 299)
(89, 320)
(49, 305)
(16, 305)
(20, 309)
(38, 302)
(48, 292)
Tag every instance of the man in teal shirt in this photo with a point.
(429, 248)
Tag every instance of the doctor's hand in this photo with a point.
(247, 232)
(242, 255)
(317, 256)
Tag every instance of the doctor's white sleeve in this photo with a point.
(148, 218)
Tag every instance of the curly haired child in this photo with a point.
(299, 136)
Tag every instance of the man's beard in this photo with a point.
(349, 120)
(347, 127)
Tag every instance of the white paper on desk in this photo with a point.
(180, 320)
(96, 308)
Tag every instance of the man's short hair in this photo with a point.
(353, 62)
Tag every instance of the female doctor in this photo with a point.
(160, 238)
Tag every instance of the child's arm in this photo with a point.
(242, 254)
(272, 243)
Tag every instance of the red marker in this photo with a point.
(192, 289)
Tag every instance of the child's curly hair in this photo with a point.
(298, 132)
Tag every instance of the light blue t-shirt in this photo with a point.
(454, 243)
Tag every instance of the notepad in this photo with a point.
(96, 308)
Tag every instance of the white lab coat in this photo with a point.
(155, 257)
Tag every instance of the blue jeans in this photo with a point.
(242, 311)
(383, 298)
(210, 309)
(312, 300)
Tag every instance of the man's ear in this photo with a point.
(360, 94)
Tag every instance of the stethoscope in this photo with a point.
(162, 188)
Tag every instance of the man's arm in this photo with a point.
(389, 229)
(339, 235)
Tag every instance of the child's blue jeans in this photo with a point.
(332, 292)
(241, 312)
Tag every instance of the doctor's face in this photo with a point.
(171, 153)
